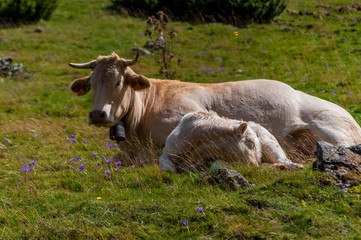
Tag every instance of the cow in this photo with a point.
(151, 108)
(202, 137)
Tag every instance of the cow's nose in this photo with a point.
(97, 116)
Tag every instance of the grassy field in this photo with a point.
(43, 124)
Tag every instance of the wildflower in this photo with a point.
(81, 98)
(326, 65)
(291, 165)
(41, 65)
(6, 140)
(110, 146)
(261, 69)
(345, 40)
(133, 166)
(47, 57)
(116, 169)
(11, 96)
(294, 64)
(99, 198)
(303, 203)
(4, 38)
(74, 168)
(21, 159)
(202, 53)
(115, 146)
(236, 33)
(333, 93)
(16, 185)
(105, 133)
(119, 163)
(67, 139)
(109, 160)
(76, 158)
(66, 107)
(64, 87)
(203, 174)
(308, 78)
(72, 136)
(73, 141)
(109, 140)
(102, 157)
(23, 168)
(185, 223)
(70, 160)
(220, 69)
(270, 39)
(107, 172)
(199, 209)
(94, 154)
(84, 141)
(81, 167)
(350, 93)
(33, 162)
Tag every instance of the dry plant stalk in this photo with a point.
(161, 41)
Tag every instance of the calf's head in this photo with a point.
(111, 83)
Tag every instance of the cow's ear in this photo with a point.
(242, 128)
(80, 86)
(137, 82)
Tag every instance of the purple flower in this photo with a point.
(47, 57)
(74, 168)
(67, 139)
(201, 53)
(70, 160)
(23, 168)
(6, 140)
(11, 96)
(133, 166)
(21, 159)
(202, 69)
(84, 141)
(64, 87)
(221, 81)
(115, 146)
(326, 65)
(41, 65)
(66, 107)
(110, 146)
(261, 69)
(185, 223)
(291, 164)
(33, 162)
(350, 93)
(102, 157)
(54, 56)
(94, 154)
(203, 174)
(16, 185)
(333, 93)
(4, 38)
(345, 40)
(72, 136)
(109, 140)
(73, 141)
(220, 69)
(119, 163)
(308, 78)
(294, 64)
(199, 209)
(14, 88)
(116, 169)
(76, 158)
(270, 39)
(81, 167)
(107, 172)
(105, 133)
(109, 160)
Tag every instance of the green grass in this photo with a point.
(55, 201)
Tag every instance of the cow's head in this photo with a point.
(111, 84)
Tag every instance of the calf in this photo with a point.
(202, 137)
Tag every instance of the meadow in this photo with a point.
(57, 180)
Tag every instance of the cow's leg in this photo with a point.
(165, 165)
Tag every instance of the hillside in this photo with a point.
(43, 124)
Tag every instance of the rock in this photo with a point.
(223, 174)
(8, 68)
(38, 30)
(342, 164)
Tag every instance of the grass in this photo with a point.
(56, 201)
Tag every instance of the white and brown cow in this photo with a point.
(202, 137)
(158, 105)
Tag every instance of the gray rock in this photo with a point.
(223, 174)
(342, 164)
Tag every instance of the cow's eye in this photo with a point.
(118, 84)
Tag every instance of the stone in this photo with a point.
(341, 163)
(223, 174)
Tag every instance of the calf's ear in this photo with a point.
(80, 86)
(242, 128)
(137, 82)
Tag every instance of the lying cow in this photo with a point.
(201, 137)
(152, 108)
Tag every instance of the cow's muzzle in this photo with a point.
(98, 117)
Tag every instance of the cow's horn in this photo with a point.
(87, 65)
(134, 61)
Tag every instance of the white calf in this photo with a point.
(201, 137)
